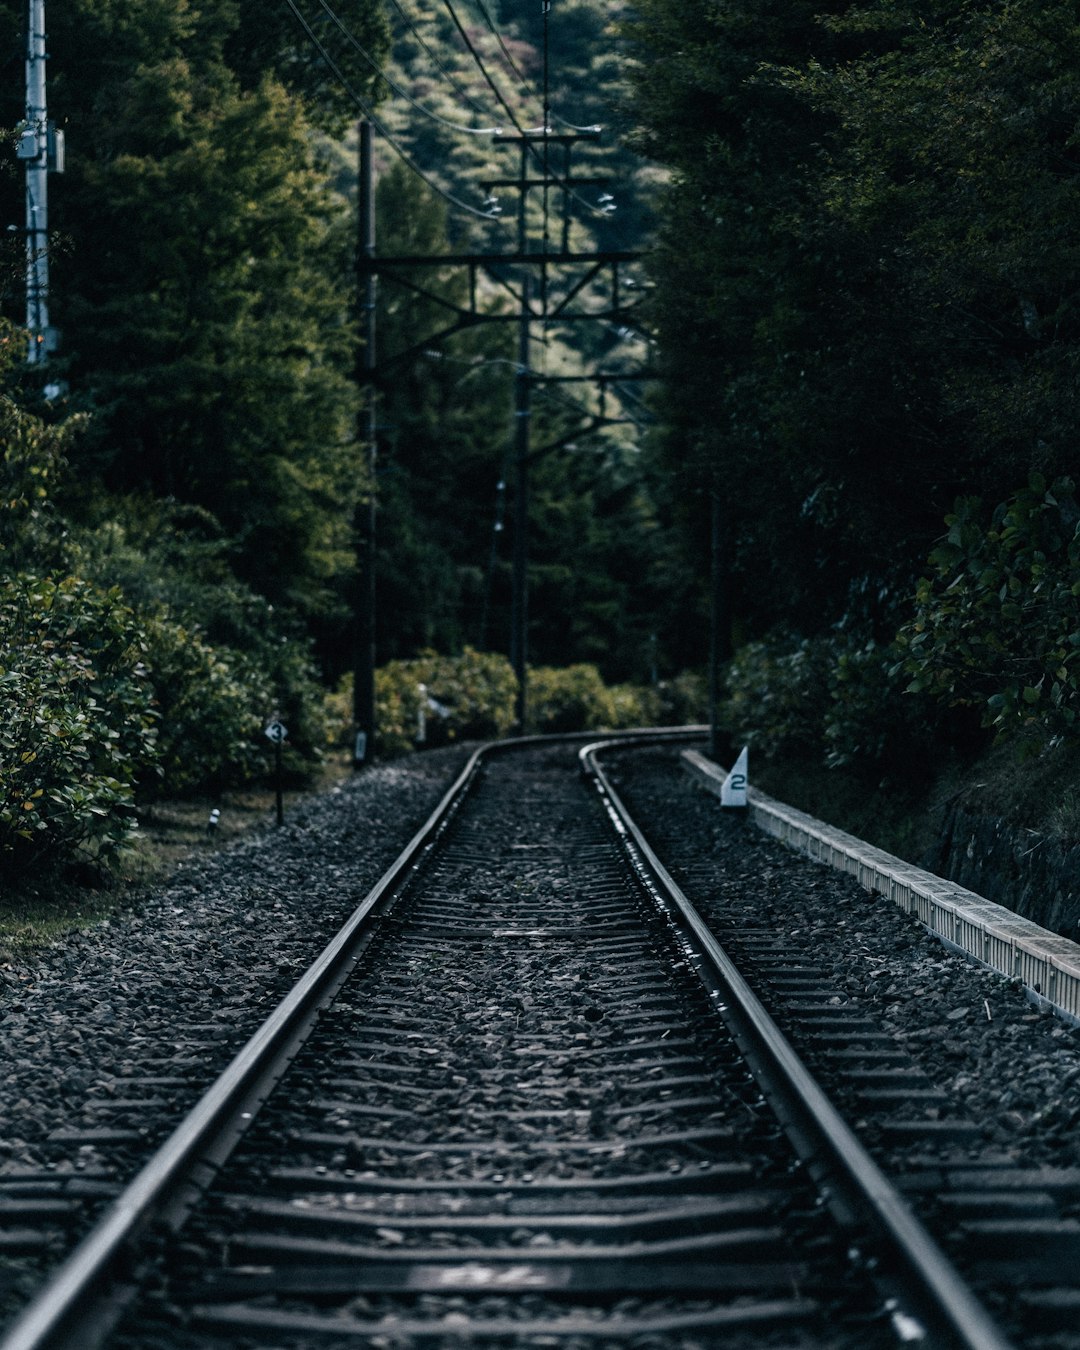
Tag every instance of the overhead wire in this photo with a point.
(573, 126)
(544, 130)
(471, 48)
(436, 60)
(366, 109)
(547, 116)
(397, 88)
(511, 63)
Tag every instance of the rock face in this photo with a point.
(1036, 875)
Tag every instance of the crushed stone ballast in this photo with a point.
(1047, 964)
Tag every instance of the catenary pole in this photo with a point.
(34, 149)
(719, 615)
(364, 665)
(519, 617)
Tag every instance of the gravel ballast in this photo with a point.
(109, 1035)
(1014, 1070)
(171, 987)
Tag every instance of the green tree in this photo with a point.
(996, 626)
(269, 39)
(33, 457)
(864, 281)
(78, 727)
(445, 418)
(955, 158)
(200, 288)
(737, 302)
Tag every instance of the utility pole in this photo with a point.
(557, 287)
(364, 618)
(519, 604)
(34, 151)
(719, 617)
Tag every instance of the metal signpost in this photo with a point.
(277, 732)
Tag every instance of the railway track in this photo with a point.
(1001, 1195)
(522, 1098)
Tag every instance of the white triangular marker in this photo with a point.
(733, 789)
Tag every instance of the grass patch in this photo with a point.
(41, 909)
(33, 917)
(1040, 792)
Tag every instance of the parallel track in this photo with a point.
(522, 1096)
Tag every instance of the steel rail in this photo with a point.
(86, 1295)
(70, 1310)
(804, 1109)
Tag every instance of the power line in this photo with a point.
(572, 126)
(513, 65)
(366, 109)
(436, 60)
(402, 93)
(482, 68)
(540, 158)
(502, 45)
(525, 84)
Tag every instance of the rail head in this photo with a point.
(77, 1307)
(69, 1313)
(805, 1111)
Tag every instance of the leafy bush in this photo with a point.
(635, 705)
(33, 456)
(778, 695)
(836, 699)
(871, 719)
(575, 698)
(298, 697)
(78, 726)
(569, 698)
(997, 624)
(477, 690)
(682, 701)
(171, 561)
(212, 705)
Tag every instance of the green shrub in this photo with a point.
(836, 699)
(683, 701)
(33, 456)
(212, 705)
(479, 689)
(283, 668)
(78, 727)
(172, 563)
(397, 707)
(778, 695)
(872, 719)
(997, 624)
(636, 705)
(476, 689)
(569, 698)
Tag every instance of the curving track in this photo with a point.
(522, 1099)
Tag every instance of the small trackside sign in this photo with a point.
(733, 790)
(277, 731)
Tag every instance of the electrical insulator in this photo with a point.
(54, 148)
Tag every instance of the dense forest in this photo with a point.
(855, 300)
(866, 304)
